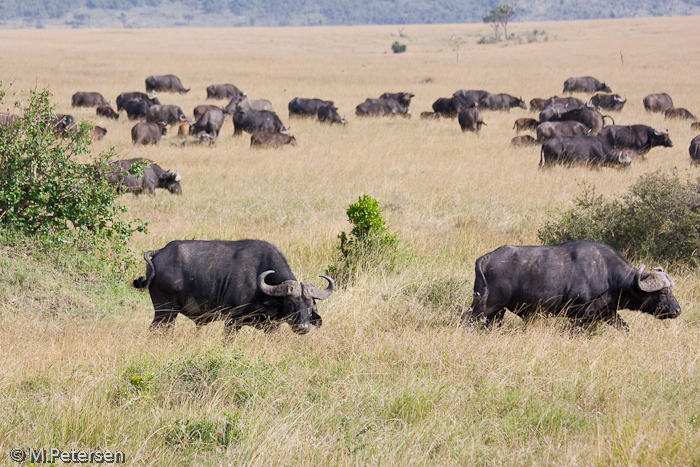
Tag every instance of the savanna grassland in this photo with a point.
(389, 379)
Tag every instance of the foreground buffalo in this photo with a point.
(470, 119)
(88, 99)
(107, 112)
(640, 138)
(549, 130)
(223, 91)
(153, 177)
(244, 283)
(580, 280)
(694, 150)
(276, 140)
(657, 102)
(303, 107)
(165, 83)
(585, 84)
(148, 133)
(608, 102)
(209, 123)
(125, 97)
(681, 113)
(255, 121)
(581, 150)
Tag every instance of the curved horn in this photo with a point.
(178, 177)
(311, 291)
(653, 282)
(285, 289)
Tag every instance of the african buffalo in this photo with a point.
(581, 280)
(148, 133)
(523, 140)
(447, 107)
(640, 138)
(137, 110)
(525, 124)
(567, 103)
(170, 114)
(591, 118)
(63, 124)
(549, 130)
(403, 98)
(585, 84)
(165, 83)
(583, 150)
(469, 98)
(97, 133)
(244, 282)
(470, 119)
(255, 121)
(329, 114)
(694, 150)
(391, 107)
(271, 139)
(223, 91)
(202, 109)
(107, 112)
(125, 97)
(501, 102)
(608, 102)
(88, 99)
(241, 104)
(681, 113)
(209, 123)
(303, 107)
(153, 177)
(537, 104)
(8, 119)
(657, 102)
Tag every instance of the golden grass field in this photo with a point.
(389, 379)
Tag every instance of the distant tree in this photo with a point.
(500, 16)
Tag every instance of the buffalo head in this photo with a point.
(654, 293)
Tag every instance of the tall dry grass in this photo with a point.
(388, 379)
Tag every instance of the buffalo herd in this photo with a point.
(249, 283)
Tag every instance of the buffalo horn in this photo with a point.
(285, 289)
(654, 282)
(178, 177)
(311, 291)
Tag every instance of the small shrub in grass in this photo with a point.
(47, 193)
(369, 244)
(398, 48)
(199, 434)
(658, 218)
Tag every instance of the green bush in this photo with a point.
(48, 194)
(369, 242)
(398, 48)
(658, 218)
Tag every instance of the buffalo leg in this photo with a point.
(163, 320)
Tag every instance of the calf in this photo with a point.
(271, 139)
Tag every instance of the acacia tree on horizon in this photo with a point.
(500, 16)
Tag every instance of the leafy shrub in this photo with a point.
(368, 242)
(47, 193)
(658, 218)
(398, 48)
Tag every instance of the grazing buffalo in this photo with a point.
(501, 102)
(380, 107)
(525, 124)
(608, 102)
(448, 107)
(244, 283)
(137, 110)
(694, 150)
(470, 119)
(591, 118)
(523, 140)
(88, 99)
(403, 98)
(165, 83)
(242, 104)
(202, 109)
(170, 114)
(582, 150)
(640, 138)
(585, 84)
(271, 139)
(97, 133)
(537, 104)
(125, 97)
(302, 107)
(675, 112)
(153, 177)
(107, 112)
(469, 98)
(581, 280)
(255, 121)
(8, 119)
(63, 124)
(209, 123)
(329, 114)
(568, 103)
(223, 91)
(148, 133)
(549, 130)
(657, 102)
